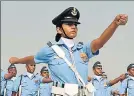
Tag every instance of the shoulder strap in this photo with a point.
(19, 89)
(127, 87)
(61, 54)
(5, 89)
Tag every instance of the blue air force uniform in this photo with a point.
(58, 68)
(7, 83)
(45, 88)
(127, 85)
(29, 86)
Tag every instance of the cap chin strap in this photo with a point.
(66, 34)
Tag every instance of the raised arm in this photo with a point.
(47, 80)
(116, 80)
(25, 60)
(8, 75)
(108, 32)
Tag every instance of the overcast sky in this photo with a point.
(27, 26)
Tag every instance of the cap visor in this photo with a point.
(71, 20)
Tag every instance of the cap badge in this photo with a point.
(74, 12)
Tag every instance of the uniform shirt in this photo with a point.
(58, 68)
(102, 87)
(45, 89)
(127, 83)
(8, 84)
(2, 81)
(29, 86)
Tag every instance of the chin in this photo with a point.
(73, 36)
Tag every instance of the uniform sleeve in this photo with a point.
(110, 90)
(108, 83)
(16, 84)
(40, 79)
(123, 86)
(44, 55)
(2, 75)
(87, 49)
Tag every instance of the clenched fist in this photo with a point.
(121, 19)
(13, 60)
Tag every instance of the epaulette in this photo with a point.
(49, 44)
(80, 45)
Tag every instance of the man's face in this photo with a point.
(70, 30)
(30, 68)
(98, 71)
(131, 71)
(13, 70)
(45, 74)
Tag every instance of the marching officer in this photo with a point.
(102, 85)
(28, 83)
(7, 80)
(45, 88)
(127, 85)
(67, 60)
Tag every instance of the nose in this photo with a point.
(73, 26)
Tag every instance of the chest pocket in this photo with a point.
(24, 82)
(83, 62)
(130, 84)
(57, 61)
(81, 56)
(36, 81)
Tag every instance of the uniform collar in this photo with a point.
(97, 77)
(68, 42)
(61, 43)
(13, 78)
(131, 77)
(30, 75)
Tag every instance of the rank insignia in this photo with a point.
(83, 56)
(105, 84)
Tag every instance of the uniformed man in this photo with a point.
(7, 80)
(45, 88)
(74, 70)
(102, 85)
(29, 82)
(127, 85)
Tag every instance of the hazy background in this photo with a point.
(27, 26)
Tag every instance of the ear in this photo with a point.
(59, 30)
(93, 70)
